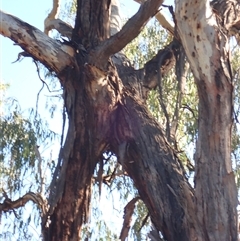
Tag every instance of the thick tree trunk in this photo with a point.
(89, 102)
(106, 112)
(157, 172)
(207, 49)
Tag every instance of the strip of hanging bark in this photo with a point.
(128, 212)
(100, 177)
(154, 235)
(144, 222)
(228, 12)
(8, 204)
(129, 31)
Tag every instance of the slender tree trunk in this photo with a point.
(71, 191)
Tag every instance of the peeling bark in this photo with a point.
(104, 98)
(9, 205)
(54, 55)
(207, 50)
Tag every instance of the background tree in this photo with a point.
(105, 99)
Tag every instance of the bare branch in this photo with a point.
(8, 204)
(129, 31)
(63, 28)
(51, 16)
(128, 212)
(54, 55)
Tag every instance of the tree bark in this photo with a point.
(207, 50)
(106, 111)
(38, 45)
(156, 170)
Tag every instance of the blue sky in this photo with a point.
(22, 76)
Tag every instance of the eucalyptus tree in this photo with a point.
(105, 99)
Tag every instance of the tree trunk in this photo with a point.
(86, 140)
(157, 172)
(104, 99)
(207, 49)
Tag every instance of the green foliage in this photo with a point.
(146, 45)
(22, 168)
(179, 99)
(18, 142)
(142, 222)
(236, 101)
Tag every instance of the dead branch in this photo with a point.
(8, 204)
(128, 212)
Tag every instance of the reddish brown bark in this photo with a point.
(107, 113)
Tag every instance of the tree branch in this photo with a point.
(128, 212)
(63, 28)
(129, 31)
(54, 55)
(8, 204)
(151, 162)
(51, 16)
(161, 19)
(145, 79)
